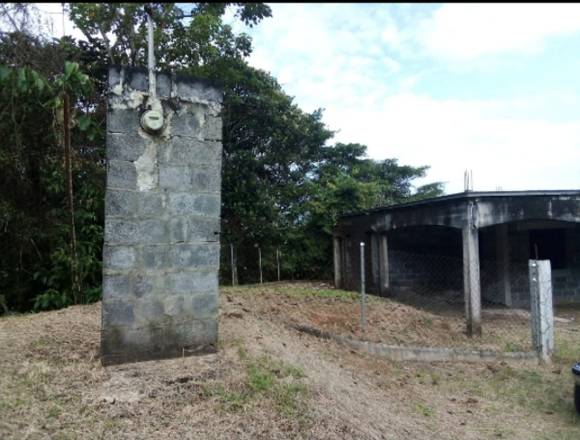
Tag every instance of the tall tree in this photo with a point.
(283, 183)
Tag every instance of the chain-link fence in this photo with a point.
(425, 304)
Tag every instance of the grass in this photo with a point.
(267, 381)
(300, 292)
(424, 409)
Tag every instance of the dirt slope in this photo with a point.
(266, 382)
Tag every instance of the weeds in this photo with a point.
(266, 380)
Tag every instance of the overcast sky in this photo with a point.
(490, 87)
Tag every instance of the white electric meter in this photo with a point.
(152, 121)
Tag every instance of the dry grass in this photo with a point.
(268, 381)
(388, 321)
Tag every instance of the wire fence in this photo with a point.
(434, 287)
(420, 300)
(252, 266)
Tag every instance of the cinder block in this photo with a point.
(189, 151)
(147, 285)
(188, 122)
(204, 305)
(173, 305)
(150, 309)
(177, 230)
(150, 204)
(205, 180)
(163, 82)
(155, 257)
(138, 81)
(192, 282)
(114, 76)
(121, 231)
(203, 229)
(119, 203)
(121, 175)
(153, 232)
(122, 121)
(175, 177)
(119, 257)
(194, 256)
(207, 204)
(116, 288)
(125, 146)
(117, 313)
(212, 129)
(196, 90)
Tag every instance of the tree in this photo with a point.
(283, 183)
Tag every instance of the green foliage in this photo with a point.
(34, 232)
(283, 183)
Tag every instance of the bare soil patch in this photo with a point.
(267, 382)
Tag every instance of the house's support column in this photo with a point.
(471, 281)
(503, 264)
(383, 265)
(375, 262)
(337, 262)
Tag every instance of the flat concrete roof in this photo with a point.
(467, 195)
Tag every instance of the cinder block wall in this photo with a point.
(162, 220)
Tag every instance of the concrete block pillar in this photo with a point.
(542, 312)
(503, 264)
(337, 257)
(471, 277)
(162, 219)
(375, 262)
(383, 265)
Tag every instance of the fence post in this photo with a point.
(260, 263)
(542, 312)
(278, 262)
(362, 287)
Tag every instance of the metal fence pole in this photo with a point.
(260, 263)
(362, 287)
(278, 262)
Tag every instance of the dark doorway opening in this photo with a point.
(549, 244)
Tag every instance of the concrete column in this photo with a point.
(162, 219)
(337, 257)
(471, 279)
(503, 264)
(542, 312)
(375, 262)
(383, 265)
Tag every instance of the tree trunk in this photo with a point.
(70, 198)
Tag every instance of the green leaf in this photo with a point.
(84, 122)
(5, 73)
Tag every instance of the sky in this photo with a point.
(493, 88)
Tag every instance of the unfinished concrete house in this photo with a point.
(474, 245)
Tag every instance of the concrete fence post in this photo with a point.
(337, 259)
(542, 312)
(362, 287)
